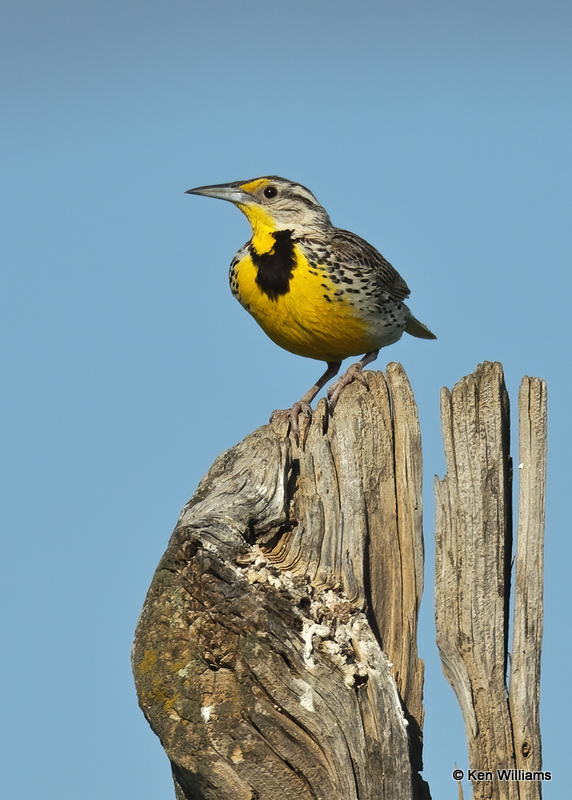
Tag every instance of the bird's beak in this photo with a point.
(224, 191)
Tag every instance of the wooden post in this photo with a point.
(524, 693)
(276, 654)
(473, 576)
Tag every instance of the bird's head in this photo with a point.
(273, 204)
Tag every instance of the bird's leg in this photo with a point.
(304, 403)
(353, 373)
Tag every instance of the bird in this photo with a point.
(316, 290)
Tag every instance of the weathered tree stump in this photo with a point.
(473, 578)
(276, 655)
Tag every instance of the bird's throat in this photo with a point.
(263, 227)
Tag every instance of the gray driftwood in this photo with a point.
(473, 576)
(275, 656)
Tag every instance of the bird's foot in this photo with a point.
(292, 414)
(353, 373)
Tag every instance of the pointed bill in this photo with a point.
(223, 191)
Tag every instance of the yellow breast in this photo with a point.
(311, 319)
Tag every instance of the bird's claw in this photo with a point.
(353, 373)
(292, 414)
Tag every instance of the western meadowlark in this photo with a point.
(315, 290)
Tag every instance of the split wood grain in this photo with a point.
(524, 692)
(276, 654)
(473, 575)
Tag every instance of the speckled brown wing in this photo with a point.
(355, 254)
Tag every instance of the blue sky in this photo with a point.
(438, 131)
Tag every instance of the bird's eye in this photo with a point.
(270, 191)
